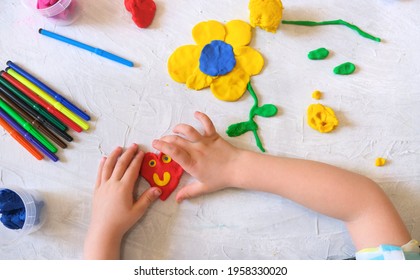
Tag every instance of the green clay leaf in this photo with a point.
(267, 110)
(318, 54)
(238, 129)
(345, 69)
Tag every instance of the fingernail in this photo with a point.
(157, 192)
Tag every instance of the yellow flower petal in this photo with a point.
(238, 33)
(207, 31)
(249, 59)
(230, 87)
(183, 62)
(198, 80)
(321, 118)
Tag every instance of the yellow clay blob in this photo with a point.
(321, 118)
(380, 161)
(316, 95)
(266, 14)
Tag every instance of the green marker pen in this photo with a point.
(27, 126)
(53, 120)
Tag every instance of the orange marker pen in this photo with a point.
(21, 140)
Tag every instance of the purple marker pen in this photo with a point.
(28, 136)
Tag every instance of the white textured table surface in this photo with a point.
(378, 109)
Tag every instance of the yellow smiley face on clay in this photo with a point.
(166, 176)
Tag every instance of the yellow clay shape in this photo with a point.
(266, 14)
(316, 95)
(380, 161)
(321, 118)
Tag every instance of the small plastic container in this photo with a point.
(64, 12)
(35, 210)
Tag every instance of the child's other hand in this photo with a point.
(115, 209)
(207, 157)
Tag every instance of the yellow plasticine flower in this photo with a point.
(221, 59)
(321, 118)
(266, 14)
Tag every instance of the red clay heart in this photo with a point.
(142, 11)
(162, 172)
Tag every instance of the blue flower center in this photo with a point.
(217, 58)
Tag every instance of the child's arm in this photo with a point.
(114, 209)
(358, 201)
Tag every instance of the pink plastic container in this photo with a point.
(64, 12)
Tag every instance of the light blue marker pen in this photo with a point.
(86, 47)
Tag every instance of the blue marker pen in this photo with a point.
(78, 44)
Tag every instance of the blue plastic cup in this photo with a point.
(34, 216)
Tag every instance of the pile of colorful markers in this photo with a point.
(35, 115)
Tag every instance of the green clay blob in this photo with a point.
(318, 54)
(345, 69)
(333, 22)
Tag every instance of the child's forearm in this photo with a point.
(102, 246)
(350, 197)
(359, 202)
(321, 187)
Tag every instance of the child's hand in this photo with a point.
(114, 209)
(208, 157)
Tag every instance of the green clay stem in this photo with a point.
(267, 110)
(254, 96)
(258, 141)
(333, 22)
(252, 115)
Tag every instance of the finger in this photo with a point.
(145, 200)
(178, 154)
(133, 170)
(124, 161)
(190, 191)
(176, 140)
(208, 125)
(188, 131)
(109, 164)
(99, 176)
